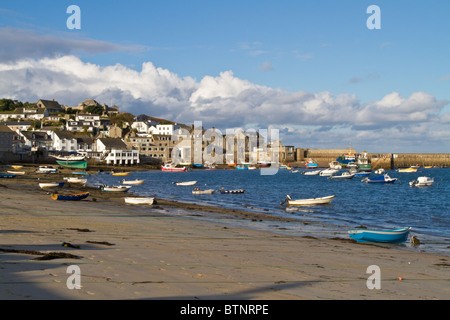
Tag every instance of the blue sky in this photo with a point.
(294, 46)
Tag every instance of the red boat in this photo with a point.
(171, 167)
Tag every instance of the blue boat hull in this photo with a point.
(379, 236)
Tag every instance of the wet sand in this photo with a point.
(167, 251)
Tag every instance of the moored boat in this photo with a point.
(328, 172)
(380, 236)
(235, 191)
(133, 182)
(7, 175)
(308, 202)
(198, 191)
(172, 167)
(380, 171)
(19, 173)
(422, 182)
(343, 176)
(408, 170)
(139, 200)
(311, 173)
(120, 173)
(381, 179)
(311, 164)
(70, 197)
(115, 188)
(46, 169)
(44, 185)
(75, 180)
(185, 183)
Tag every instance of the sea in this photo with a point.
(356, 203)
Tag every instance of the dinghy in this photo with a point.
(185, 183)
(133, 182)
(139, 200)
(380, 236)
(311, 173)
(70, 197)
(115, 188)
(75, 180)
(381, 179)
(236, 191)
(344, 175)
(307, 202)
(44, 185)
(198, 191)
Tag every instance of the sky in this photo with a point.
(311, 69)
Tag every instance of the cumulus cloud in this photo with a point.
(226, 101)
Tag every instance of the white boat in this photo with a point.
(328, 172)
(20, 173)
(380, 171)
(311, 173)
(72, 157)
(422, 182)
(44, 185)
(139, 200)
(132, 182)
(75, 180)
(198, 191)
(185, 183)
(46, 169)
(308, 202)
(344, 175)
(115, 188)
(335, 165)
(172, 167)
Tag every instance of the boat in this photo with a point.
(311, 173)
(236, 191)
(344, 175)
(241, 167)
(198, 165)
(120, 173)
(422, 182)
(335, 165)
(380, 171)
(363, 162)
(139, 200)
(328, 172)
(408, 170)
(198, 191)
(72, 161)
(362, 174)
(70, 197)
(308, 202)
(349, 159)
(311, 164)
(16, 167)
(115, 188)
(75, 180)
(383, 236)
(46, 169)
(18, 173)
(7, 175)
(381, 179)
(133, 182)
(44, 185)
(80, 173)
(172, 167)
(185, 183)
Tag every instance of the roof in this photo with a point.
(64, 135)
(50, 104)
(36, 135)
(4, 128)
(113, 143)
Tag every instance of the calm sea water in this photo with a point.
(385, 206)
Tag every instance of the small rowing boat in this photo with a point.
(382, 236)
(307, 202)
(115, 188)
(120, 173)
(408, 170)
(185, 183)
(139, 200)
(70, 197)
(46, 169)
(19, 173)
(75, 180)
(236, 191)
(44, 185)
(132, 182)
(198, 191)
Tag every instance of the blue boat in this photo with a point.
(7, 175)
(362, 174)
(70, 197)
(380, 236)
(381, 179)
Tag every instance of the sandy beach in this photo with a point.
(167, 251)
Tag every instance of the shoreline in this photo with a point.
(135, 252)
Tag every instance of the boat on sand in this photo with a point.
(139, 200)
(308, 202)
(380, 236)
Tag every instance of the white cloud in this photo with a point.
(226, 101)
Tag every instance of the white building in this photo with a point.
(164, 129)
(115, 151)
